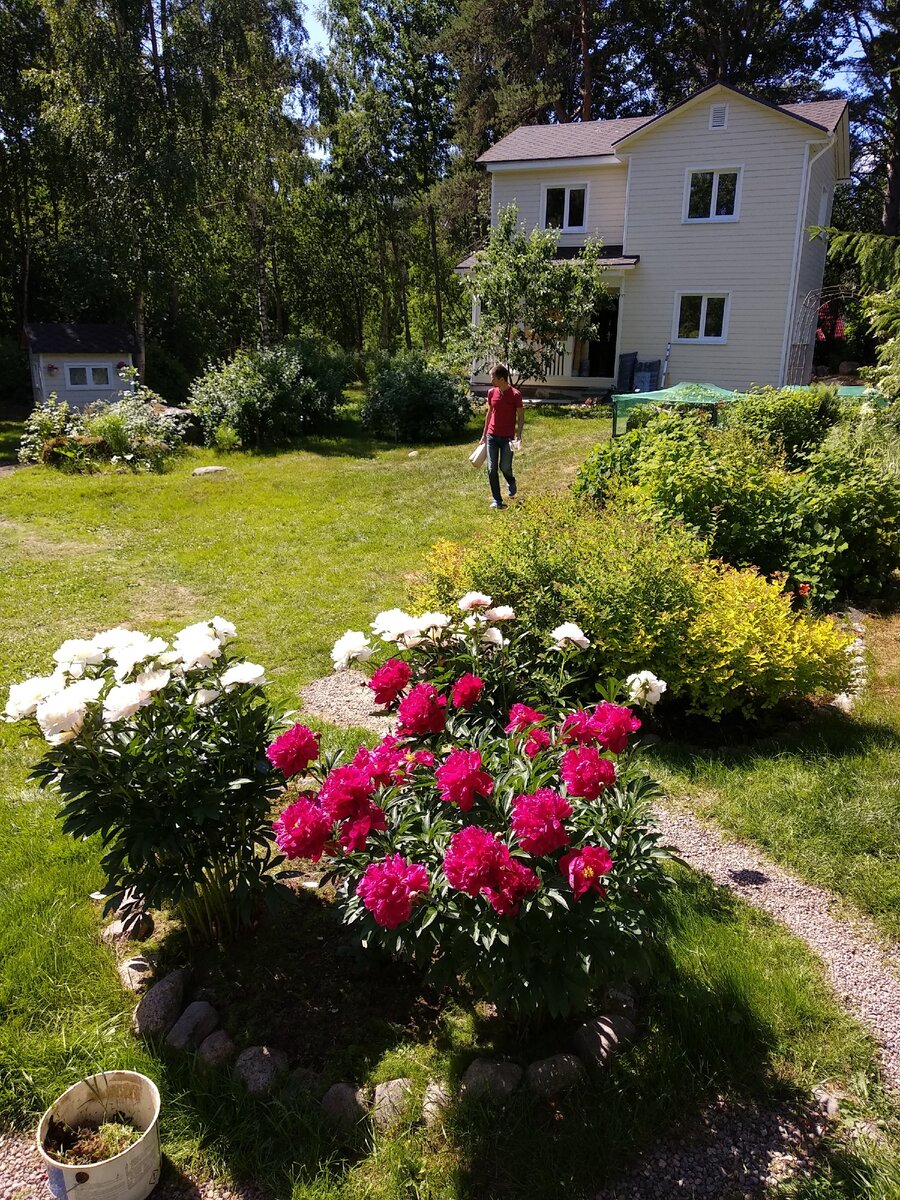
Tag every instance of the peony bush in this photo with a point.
(160, 750)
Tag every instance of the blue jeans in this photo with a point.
(500, 458)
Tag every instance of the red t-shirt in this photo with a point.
(503, 405)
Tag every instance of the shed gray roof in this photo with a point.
(63, 337)
(596, 139)
(611, 257)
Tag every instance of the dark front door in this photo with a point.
(602, 349)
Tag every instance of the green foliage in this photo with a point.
(724, 640)
(883, 311)
(165, 761)
(792, 422)
(15, 386)
(265, 396)
(50, 418)
(530, 304)
(166, 375)
(326, 364)
(410, 401)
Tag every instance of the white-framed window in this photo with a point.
(712, 194)
(701, 317)
(89, 375)
(564, 207)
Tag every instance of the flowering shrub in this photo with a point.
(161, 750)
(524, 872)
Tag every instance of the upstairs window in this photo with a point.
(713, 195)
(701, 318)
(565, 208)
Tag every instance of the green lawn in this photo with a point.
(10, 436)
(294, 548)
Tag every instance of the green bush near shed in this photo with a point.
(412, 401)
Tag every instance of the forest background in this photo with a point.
(207, 173)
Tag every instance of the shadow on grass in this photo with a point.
(346, 438)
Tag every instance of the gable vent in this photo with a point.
(718, 116)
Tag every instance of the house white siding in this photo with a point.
(50, 373)
(750, 259)
(811, 268)
(605, 203)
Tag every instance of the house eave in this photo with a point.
(544, 164)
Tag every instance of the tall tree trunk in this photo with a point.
(436, 266)
(890, 216)
(383, 291)
(400, 266)
(139, 331)
(257, 240)
(154, 47)
(279, 299)
(587, 75)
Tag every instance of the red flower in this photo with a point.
(538, 740)
(473, 859)
(424, 758)
(384, 762)
(345, 793)
(521, 717)
(578, 727)
(389, 680)
(613, 724)
(422, 711)
(586, 772)
(356, 829)
(390, 888)
(461, 778)
(537, 821)
(294, 750)
(302, 830)
(583, 869)
(466, 691)
(803, 589)
(512, 883)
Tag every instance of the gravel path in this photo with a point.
(865, 977)
(736, 1150)
(343, 698)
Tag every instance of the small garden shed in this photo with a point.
(81, 363)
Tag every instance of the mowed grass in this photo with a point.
(823, 796)
(10, 435)
(295, 548)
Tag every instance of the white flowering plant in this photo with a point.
(160, 750)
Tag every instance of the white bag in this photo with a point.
(478, 455)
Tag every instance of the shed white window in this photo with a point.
(713, 195)
(701, 317)
(88, 375)
(565, 208)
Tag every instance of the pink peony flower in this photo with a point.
(356, 829)
(513, 882)
(385, 762)
(521, 717)
(586, 772)
(345, 792)
(390, 888)
(472, 859)
(422, 711)
(293, 751)
(537, 821)
(583, 868)
(466, 691)
(613, 724)
(302, 830)
(461, 778)
(538, 740)
(578, 727)
(389, 680)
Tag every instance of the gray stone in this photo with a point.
(138, 930)
(828, 1103)
(208, 470)
(848, 367)
(136, 973)
(216, 1050)
(258, 1067)
(597, 1040)
(305, 1081)
(344, 1106)
(551, 1077)
(112, 933)
(621, 998)
(196, 1022)
(435, 1102)
(390, 1101)
(160, 1006)
(485, 1077)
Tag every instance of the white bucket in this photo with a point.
(131, 1175)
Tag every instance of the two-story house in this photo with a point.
(704, 212)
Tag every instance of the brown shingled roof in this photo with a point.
(594, 139)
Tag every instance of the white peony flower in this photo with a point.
(197, 650)
(493, 637)
(224, 630)
(645, 688)
(569, 634)
(432, 620)
(153, 681)
(205, 696)
(503, 612)
(353, 645)
(25, 697)
(474, 600)
(393, 624)
(78, 652)
(248, 673)
(129, 655)
(123, 701)
(109, 639)
(475, 620)
(61, 715)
